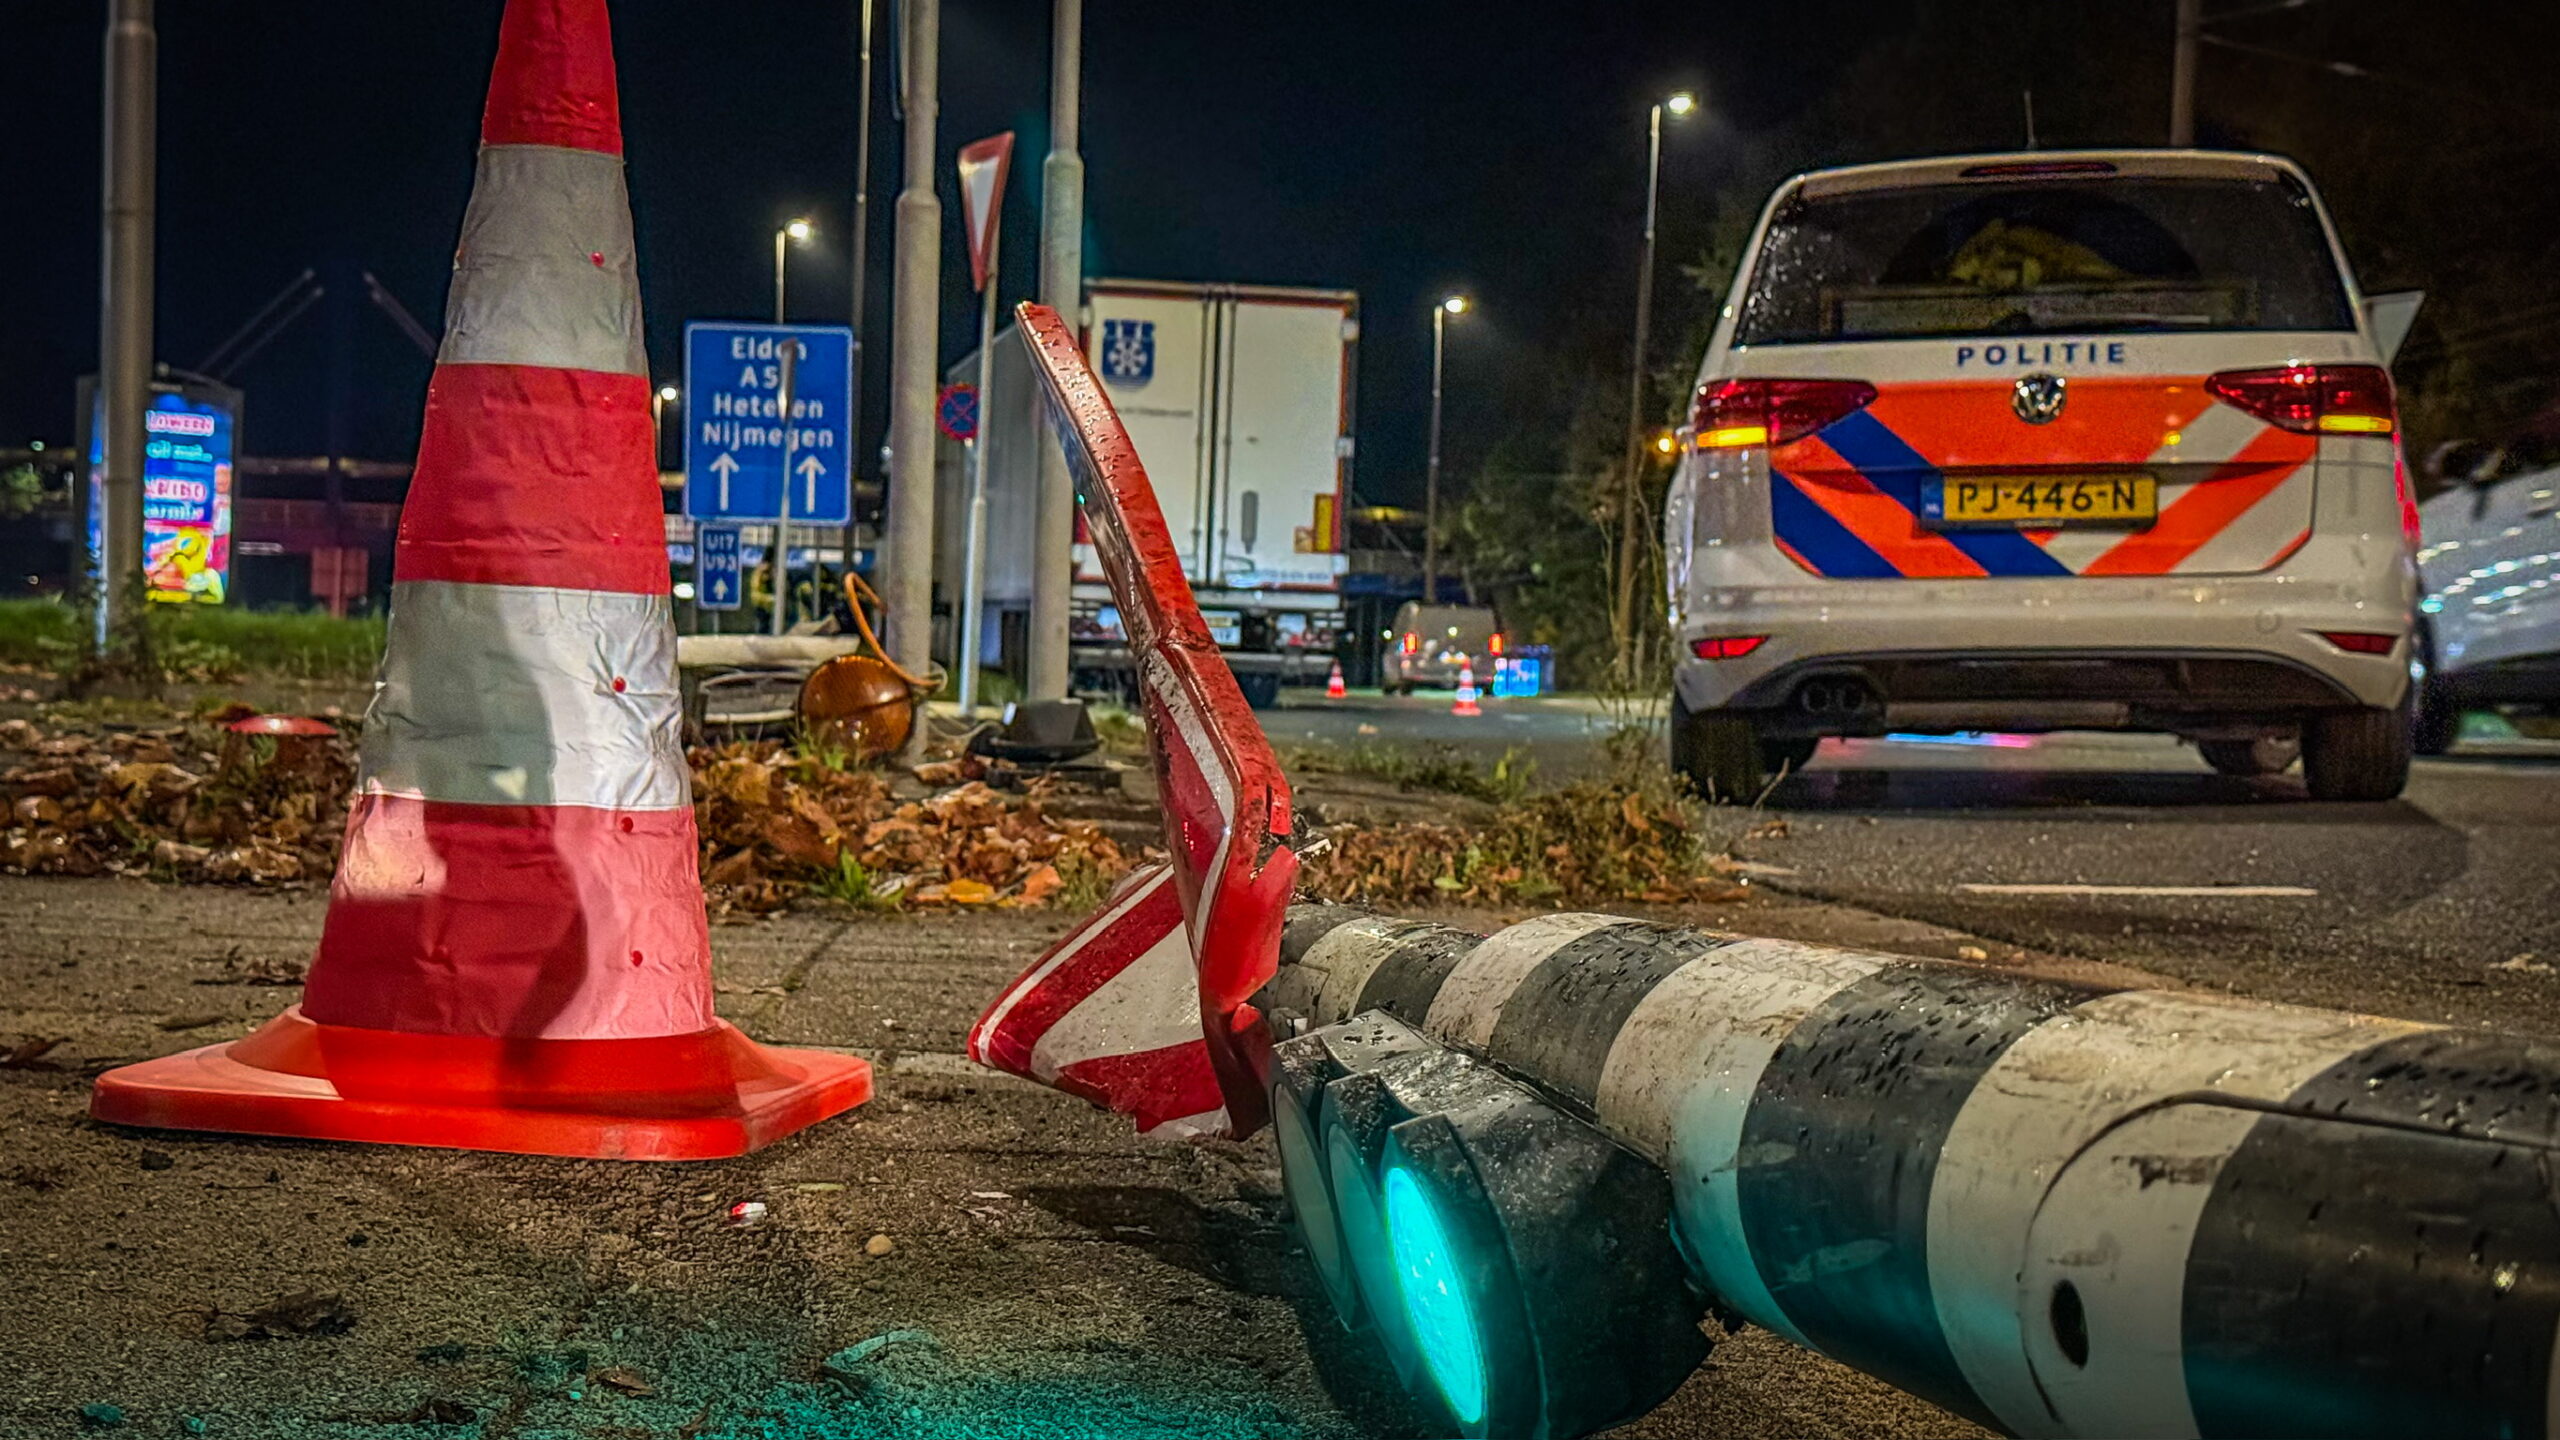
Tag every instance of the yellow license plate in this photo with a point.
(2030, 501)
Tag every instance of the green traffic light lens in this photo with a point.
(1435, 1297)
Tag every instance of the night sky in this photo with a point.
(1400, 150)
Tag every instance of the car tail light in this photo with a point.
(1495, 644)
(1726, 647)
(2330, 399)
(2361, 642)
(1730, 414)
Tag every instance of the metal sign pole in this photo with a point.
(973, 596)
(782, 519)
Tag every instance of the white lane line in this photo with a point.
(2229, 892)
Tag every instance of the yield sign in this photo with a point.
(983, 166)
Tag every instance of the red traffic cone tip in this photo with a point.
(553, 82)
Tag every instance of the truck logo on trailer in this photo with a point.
(1128, 351)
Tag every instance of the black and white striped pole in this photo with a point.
(2058, 1209)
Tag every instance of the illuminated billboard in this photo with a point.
(187, 467)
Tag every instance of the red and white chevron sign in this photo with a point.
(1103, 1013)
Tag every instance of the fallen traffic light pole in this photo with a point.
(1533, 1162)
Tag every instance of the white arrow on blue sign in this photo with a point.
(734, 438)
(718, 574)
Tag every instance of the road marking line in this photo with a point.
(2234, 892)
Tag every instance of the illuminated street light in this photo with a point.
(795, 233)
(1448, 306)
(1622, 608)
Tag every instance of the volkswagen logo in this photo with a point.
(2038, 398)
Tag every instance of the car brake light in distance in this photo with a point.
(2326, 399)
(1732, 414)
(2361, 642)
(1726, 647)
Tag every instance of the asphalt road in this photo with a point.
(2437, 906)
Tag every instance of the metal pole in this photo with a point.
(2182, 74)
(1431, 468)
(125, 303)
(781, 239)
(1053, 527)
(909, 561)
(861, 284)
(1622, 610)
(782, 518)
(973, 580)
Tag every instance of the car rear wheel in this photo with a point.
(2265, 755)
(1718, 752)
(2358, 755)
(2437, 722)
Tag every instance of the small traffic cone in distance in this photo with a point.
(516, 955)
(1333, 689)
(1465, 704)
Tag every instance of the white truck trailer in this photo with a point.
(1238, 398)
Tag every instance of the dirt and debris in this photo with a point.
(301, 1313)
(28, 1054)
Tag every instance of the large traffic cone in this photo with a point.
(1465, 704)
(1333, 683)
(515, 956)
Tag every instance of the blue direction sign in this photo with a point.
(734, 436)
(719, 579)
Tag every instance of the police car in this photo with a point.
(2045, 441)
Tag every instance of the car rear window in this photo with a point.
(2118, 256)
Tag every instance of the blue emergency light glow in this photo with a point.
(1435, 1297)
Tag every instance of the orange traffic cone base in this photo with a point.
(703, 1096)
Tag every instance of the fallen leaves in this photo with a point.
(1586, 843)
(196, 801)
(777, 823)
(189, 801)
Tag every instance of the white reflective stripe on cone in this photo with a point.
(1681, 1077)
(1469, 1002)
(2057, 1101)
(507, 695)
(545, 274)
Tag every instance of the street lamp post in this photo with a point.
(1440, 313)
(1622, 611)
(797, 231)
